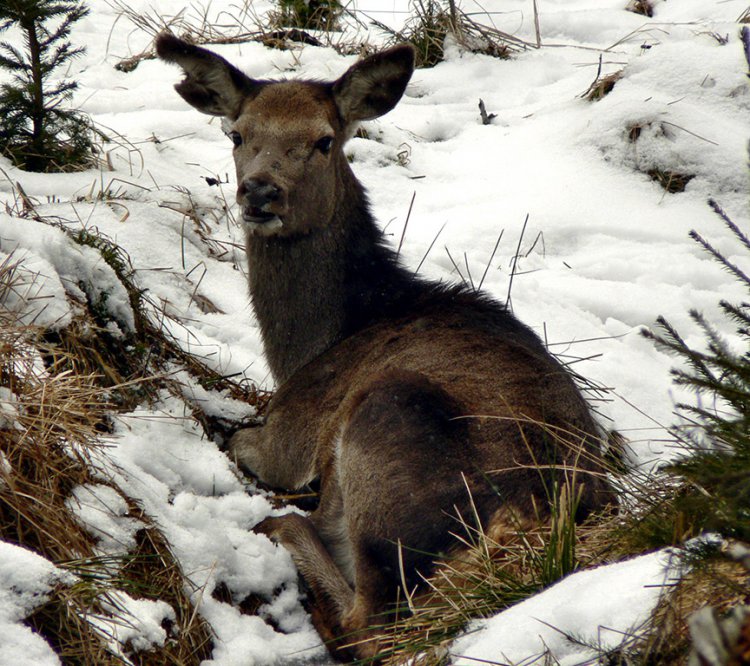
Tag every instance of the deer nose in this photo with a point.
(258, 193)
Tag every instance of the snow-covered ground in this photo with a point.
(604, 252)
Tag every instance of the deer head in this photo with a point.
(288, 136)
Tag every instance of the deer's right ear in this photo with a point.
(211, 84)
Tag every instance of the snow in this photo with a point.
(58, 266)
(25, 582)
(139, 622)
(619, 597)
(103, 512)
(8, 410)
(193, 493)
(604, 252)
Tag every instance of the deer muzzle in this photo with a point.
(262, 203)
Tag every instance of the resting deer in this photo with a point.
(410, 401)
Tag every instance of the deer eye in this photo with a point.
(324, 145)
(236, 138)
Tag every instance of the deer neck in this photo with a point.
(310, 291)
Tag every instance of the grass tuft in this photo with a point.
(426, 32)
(320, 15)
(643, 7)
(433, 23)
(491, 568)
(602, 86)
(672, 181)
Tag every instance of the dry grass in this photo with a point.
(493, 569)
(194, 23)
(672, 181)
(432, 23)
(47, 452)
(318, 23)
(602, 86)
(644, 7)
(511, 558)
(63, 386)
(137, 365)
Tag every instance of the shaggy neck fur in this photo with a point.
(310, 291)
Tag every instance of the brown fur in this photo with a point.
(412, 402)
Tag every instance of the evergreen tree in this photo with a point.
(310, 14)
(36, 131)
(717, 467)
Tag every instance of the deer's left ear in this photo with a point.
(374, 85)
(211, 84)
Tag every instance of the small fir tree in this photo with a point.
(36, 130)
(717, 469)
(310, 14)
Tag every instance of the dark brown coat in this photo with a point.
(407, 399)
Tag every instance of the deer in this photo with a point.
(409, 401)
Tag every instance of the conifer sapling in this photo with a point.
(37, 131)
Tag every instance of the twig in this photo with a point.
(406, 224)
(455, 265)
(492, 256)
(440, 231)
(455, 21)
(697, 136)
(468, 272)
(515, 262)
(537, 29)
(486, 117)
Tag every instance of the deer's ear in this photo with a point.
(211, 84)
(374, 85)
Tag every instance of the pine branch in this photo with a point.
(716, 344)
(14, 59)
(739, 313)
(63, 30)
(62, 55)
(731, 225)
(674, 344)
(6, 63)
(732, 268)
(61, 92)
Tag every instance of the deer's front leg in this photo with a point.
(247, 451)
(280, 453)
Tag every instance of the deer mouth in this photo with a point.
(260, 221)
